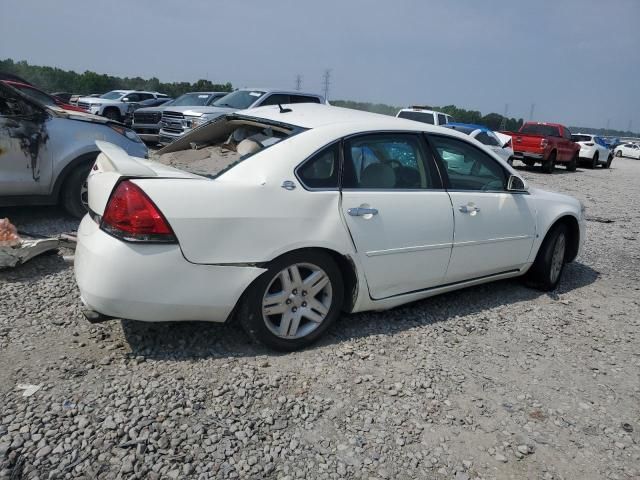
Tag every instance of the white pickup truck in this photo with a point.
(117, 103)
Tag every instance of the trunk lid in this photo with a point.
(113, 164)
(524, 142)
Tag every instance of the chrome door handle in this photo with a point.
(472, 209)
(362, 211)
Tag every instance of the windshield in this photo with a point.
(240, 99)
(113, 95)
(581, 138)
(417, 116)
(191, 100)
(544, 130)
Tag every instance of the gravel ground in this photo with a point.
(496, 381)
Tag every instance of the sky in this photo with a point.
(578, 61)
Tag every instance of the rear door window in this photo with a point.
(442, 120)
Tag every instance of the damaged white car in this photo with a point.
(284, 217)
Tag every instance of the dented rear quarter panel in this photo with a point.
(245, 216)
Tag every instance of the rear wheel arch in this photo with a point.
(345, 265)
(77, 162)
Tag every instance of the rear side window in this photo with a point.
(321, 171)
(486, 139)
(442, 120)
(304, 99)
(386, 161)
(423, 117)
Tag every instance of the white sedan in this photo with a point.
(630, 150)
(285, 216)
(593, 150)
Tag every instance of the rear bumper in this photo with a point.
(528, 156)
(153, 282)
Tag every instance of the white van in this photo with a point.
(425, 115)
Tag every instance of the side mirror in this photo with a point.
(516, 184)
(125, 99)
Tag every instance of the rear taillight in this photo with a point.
(131, 215)
(543, 142)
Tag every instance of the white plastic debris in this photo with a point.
(28, 389)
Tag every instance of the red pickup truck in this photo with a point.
(545, 143)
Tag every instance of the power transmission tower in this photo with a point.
(503, 123)
(298, 82)
(630, 123)
(533, 109)
(606, 131)
(326, 81)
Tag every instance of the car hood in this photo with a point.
(80, 116)
(160, 108)
(97, 100)
(198, 111)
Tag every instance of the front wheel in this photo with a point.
(113, 114)
(547, 268)
(74, 195)
(294, 302)
(619, 153)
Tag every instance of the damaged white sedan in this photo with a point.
(284, 217)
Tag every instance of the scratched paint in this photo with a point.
(32, 136)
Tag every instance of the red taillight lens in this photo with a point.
(131, 215)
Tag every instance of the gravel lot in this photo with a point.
(496, 381)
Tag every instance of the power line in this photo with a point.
(298, 82)
(326, 81)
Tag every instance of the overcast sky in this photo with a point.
(577, 60)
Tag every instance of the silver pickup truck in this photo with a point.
(146, 121)
(46, 152)
(181, 120)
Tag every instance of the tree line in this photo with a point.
(51, 79)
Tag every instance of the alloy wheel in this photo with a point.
(557, 259)
(297, 300)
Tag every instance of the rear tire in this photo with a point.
(549, 165)
(573, 164)
(529, 163)
(619, 153)
(299, 316)
(609, 160)
(74, 193)
(546, 271)
(594, 161)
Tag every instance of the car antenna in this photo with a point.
(284, 110)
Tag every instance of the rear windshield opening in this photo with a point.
(544, 130)
(418, 116)
(229, 143)
(581, 138)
